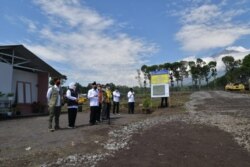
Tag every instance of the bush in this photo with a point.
(1, 94)
(10, 94)
(146, 103)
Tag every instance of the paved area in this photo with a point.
(27, 138)
(214, 131)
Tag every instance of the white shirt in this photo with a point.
(116, 96)
(58, 102)
(93, 97)
(131, 96)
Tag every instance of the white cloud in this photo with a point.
(237, 48)
(238, 55)
(75, 14)
(211, 26)
(31, 25)
(202, 14)
(202, 37)
(80, 45)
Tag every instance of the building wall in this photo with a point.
(27, 77)
(43, 81)
(6, 71)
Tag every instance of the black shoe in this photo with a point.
(57, 128)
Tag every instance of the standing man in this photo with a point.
(104, 103)
(108, 101)
(54, 97)
(94, 103)
(72, 95)
(100, 100)
(164, 100)
(116, 100)
(131, 101)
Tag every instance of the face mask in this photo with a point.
(95, 87)
(58, 83)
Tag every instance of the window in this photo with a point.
(24, 92)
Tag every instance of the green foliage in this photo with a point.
(229, 62)
(62, 79)
(146, 102)
(81, 89)
(221, 81)
(236, 71)
(10, 94)
(246, 61)
(1, 94)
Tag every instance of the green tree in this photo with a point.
(198, 71)
(229, 62)
(205, 71)
(246, 61)
(176, 71)
(199, 65)
(194, 72)
(183, 71)
(231, 65)
(146, 75)
(138, 77)
(212, 65)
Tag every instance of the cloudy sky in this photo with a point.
(107, 40)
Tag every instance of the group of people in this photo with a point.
(100, 98)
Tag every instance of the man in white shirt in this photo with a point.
(116, 100)
(94, 103)
(54, 97)
(131, 101)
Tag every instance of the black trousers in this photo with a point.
(108, 107)
(131, 106)
(93, 114)
(72, 112)
(115, 107)
(98, 114)
(164, 99)
(104, 108)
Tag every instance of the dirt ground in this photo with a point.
(210, 129)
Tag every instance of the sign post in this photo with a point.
(160, 83)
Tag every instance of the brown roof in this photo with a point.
(22, 58)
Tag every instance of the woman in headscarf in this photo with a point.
(72, 95)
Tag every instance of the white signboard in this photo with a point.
(160, 83)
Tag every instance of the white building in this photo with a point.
(25, 75)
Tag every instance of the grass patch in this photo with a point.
(177, 101)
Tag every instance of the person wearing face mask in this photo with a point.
(116, 99)
(108, 101)
(72, 95)
(100, 99)
(131, 101)
(54, 97)
(94, 103)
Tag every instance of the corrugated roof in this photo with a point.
(21, 57)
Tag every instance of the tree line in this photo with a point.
(199, 70)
